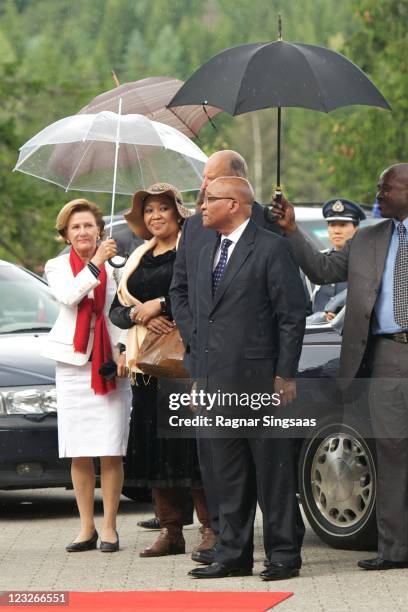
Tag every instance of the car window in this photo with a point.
(26, 303)
(316, 229)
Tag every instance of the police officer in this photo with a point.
(343, 217)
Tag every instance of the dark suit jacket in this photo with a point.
(193, 238)
(254, 323)
(360, 263)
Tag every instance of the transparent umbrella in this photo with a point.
(78, 153)
(112, 153)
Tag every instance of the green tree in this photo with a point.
(365, 141)
(56, 55)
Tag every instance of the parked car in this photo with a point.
(311, 220)
(28, 408)
(336, 462)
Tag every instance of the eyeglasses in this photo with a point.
(208, 199)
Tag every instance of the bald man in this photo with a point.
(249, 316)
(193, 238)
(375, 343)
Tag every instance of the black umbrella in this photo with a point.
(277, 74)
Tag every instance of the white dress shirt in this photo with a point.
(234, 237)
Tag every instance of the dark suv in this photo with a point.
(28, 410)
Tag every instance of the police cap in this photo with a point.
(341, 209)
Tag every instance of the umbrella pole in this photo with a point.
(278, 190)
(115, 169)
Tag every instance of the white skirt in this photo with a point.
(90, 425)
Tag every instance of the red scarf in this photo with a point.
(101, 350)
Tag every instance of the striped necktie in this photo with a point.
(401, 279)
(222, 264)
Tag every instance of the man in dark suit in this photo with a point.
(249, 316)
(193, 238)
(375, 343)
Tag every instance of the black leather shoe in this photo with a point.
(381, 564)
(152, 523)
(206, 557)
(217, 570)
(110, 546)
(84, 545)
(278, 571)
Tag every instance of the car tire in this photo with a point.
(337, 486)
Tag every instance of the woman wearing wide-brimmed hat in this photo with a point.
(170, 467)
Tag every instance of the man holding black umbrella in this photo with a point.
(375, 343)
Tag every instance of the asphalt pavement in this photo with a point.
(36, 526)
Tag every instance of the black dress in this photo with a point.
(152, 461)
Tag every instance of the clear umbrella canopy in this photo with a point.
(78, 153)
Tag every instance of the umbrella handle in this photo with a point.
(121, 264)
(269, 217)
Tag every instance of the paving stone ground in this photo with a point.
(35, 526)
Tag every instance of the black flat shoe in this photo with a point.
(217, 570)
(381, 564)
(206, 556)
(152, 523)
(84, 545)
(110, 546)
(279, 571)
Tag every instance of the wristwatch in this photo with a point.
(163, 305)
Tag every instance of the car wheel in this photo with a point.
(337, 485)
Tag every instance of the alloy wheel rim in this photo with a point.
(342, 480)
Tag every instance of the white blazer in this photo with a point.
(69, 291)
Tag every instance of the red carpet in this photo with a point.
(163, 601)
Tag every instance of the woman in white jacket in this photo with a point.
(93, 413)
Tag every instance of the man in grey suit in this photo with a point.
(375, 343)
(249, 318)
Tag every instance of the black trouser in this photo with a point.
(205, 459)
(389, 416)
(244, 466)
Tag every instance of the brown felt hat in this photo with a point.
(134, 217)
